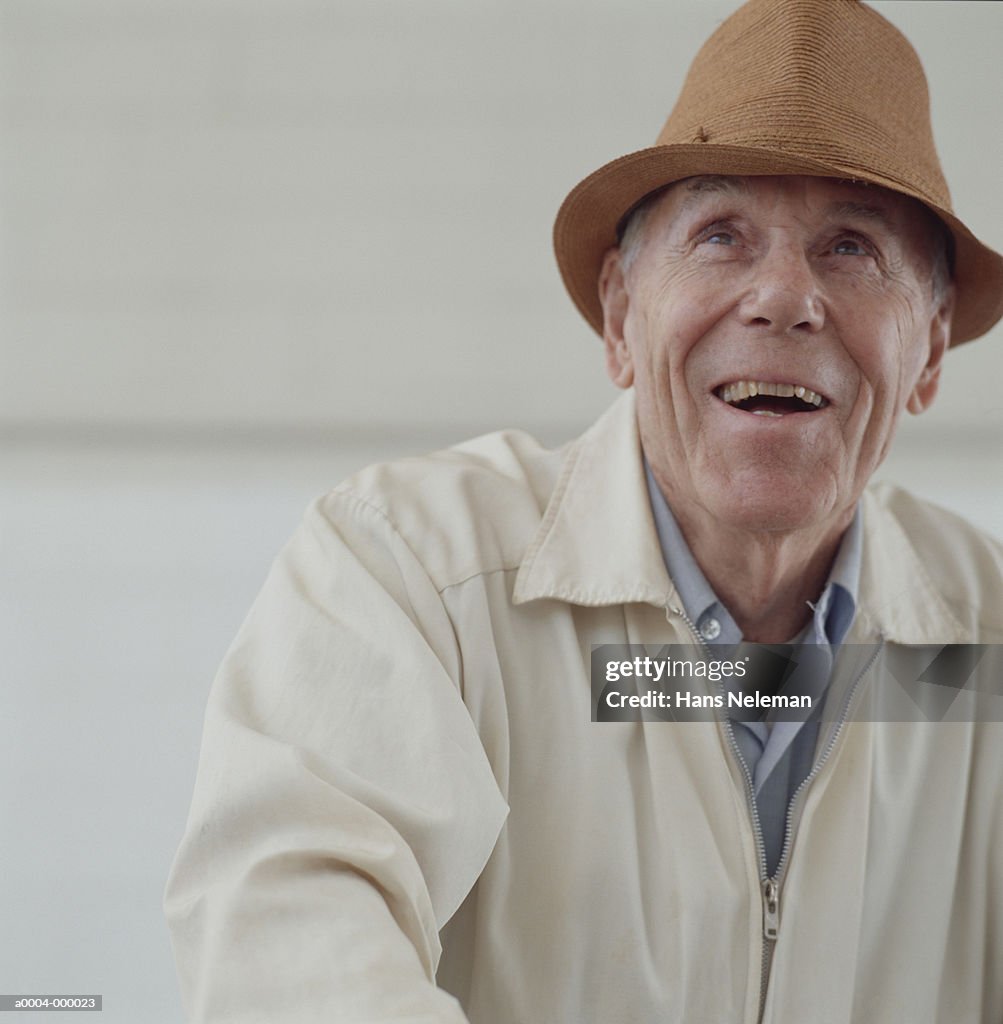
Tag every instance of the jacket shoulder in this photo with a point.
(463, 511)
(963, 562)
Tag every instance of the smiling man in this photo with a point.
(412, 805)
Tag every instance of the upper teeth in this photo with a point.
(743, 389)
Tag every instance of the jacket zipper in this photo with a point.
(770, 888)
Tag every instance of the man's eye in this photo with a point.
(849, 247)
(719, 238)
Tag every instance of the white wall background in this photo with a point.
(246, 247)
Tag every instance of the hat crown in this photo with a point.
(830, 80)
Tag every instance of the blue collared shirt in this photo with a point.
(778, 757)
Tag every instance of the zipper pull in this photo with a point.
(771, 909)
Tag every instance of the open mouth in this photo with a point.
(767, 398)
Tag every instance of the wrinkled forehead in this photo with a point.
(832, 197)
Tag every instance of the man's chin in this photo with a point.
(772, 505)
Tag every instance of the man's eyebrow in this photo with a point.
(714, 184)
(853, 210)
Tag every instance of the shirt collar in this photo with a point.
(838, 604)
(711, 618)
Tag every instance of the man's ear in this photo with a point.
(614, 299)
(926, 386)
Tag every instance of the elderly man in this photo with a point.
(404, 811)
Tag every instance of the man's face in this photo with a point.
(790, 282)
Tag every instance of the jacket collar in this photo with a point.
(597, 545)
(898, 599)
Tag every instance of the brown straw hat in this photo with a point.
(817, 87)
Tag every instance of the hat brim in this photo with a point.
(587, 222)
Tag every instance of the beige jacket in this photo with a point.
(398, 752)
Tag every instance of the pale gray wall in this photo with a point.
(246, 246)
(331, 214)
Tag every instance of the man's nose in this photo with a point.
(784, 294)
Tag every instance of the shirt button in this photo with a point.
(711, 629)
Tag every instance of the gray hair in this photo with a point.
(630, 233)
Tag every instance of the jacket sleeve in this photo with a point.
(344, 804)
